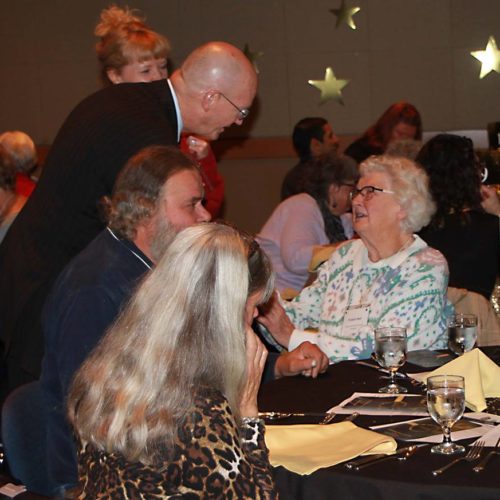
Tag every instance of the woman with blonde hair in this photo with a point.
(167, 402)
(128, 49)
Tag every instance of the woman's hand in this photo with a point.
(197, 147)
(274, 318)
(256, 359)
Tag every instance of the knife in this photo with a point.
(402, 453)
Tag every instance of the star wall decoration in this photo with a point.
(489, 57)
(344, 15)
(252, 56)
(330, 87)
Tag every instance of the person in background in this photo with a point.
(129, 51)
(388, 277)
(184, 412)
(11, 202)
(468, 237)
(406, 148)
(304, 222)
(213, 89)
(312, 137)
(22, 154)
(399, 121)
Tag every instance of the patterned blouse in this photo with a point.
(208, 461)
(407, 289)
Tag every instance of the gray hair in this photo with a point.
(139, 186)
(183, 330)
(21, 150)
(410, 185)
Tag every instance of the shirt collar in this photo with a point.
(361, 259)
(180, 123)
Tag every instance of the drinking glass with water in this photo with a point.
(462, 333)
(446, 405)
(390, 353)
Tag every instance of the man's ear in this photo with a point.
(209, 99)
(114, 76)
(315, 146)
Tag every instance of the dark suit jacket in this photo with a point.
(62, 215)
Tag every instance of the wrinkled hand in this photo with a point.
(307, 359)
(256, 359)
(274, 318)
(491, 201)
(197, 147)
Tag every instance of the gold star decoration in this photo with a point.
(252, 56)
(489, 57)
(330, 87)
(344, 14)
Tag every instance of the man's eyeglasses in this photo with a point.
(244, 112)
(367, 192)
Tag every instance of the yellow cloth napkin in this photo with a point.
(481, 374)
(306, 448)
(320, 254)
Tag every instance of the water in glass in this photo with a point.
(446, 405)
(390, 353)
(462, 333)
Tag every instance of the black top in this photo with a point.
(84, 302)
(361, 149)
(471, 245)
(61, 217)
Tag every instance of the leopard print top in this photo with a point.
(207, 462)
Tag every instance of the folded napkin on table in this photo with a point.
(481, 374)
(306, 448)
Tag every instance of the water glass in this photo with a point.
(390, 353)
(446, 405)
(462, 333)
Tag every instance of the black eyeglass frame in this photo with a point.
(367, 191)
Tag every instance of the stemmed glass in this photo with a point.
(446, 405)
(390, 353)
(462, 333)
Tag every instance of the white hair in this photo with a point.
(410, 185)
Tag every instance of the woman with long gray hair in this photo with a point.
(167, 402)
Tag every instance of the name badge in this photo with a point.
(356, 317)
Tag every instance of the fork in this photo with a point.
(480, 467)
(328, 418)
(473, 454)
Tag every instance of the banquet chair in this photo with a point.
(468, 302)
(24, 437)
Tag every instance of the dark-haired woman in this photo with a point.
(460, 229)
(310, 219)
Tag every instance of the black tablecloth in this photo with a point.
(388, 480)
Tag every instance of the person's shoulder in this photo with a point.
(430, 257)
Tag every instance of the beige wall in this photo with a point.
(417, 50)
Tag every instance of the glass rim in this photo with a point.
(451, 378)
(401, 330)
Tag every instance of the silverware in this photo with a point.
(277, 415)
(401, 454)
(480, 466)
(473, 454)
(352, 417)
(328, 418)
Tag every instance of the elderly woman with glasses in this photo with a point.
(388, 277)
